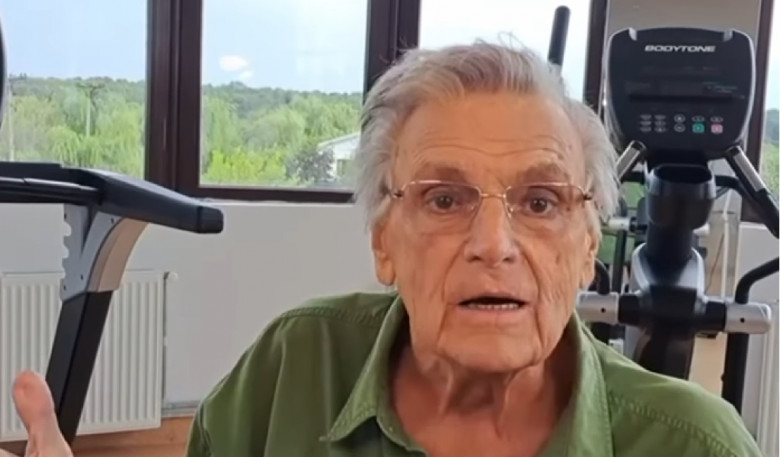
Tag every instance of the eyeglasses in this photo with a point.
(441, 206)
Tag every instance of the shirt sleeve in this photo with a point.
(234, 417)
(736, 438)
(198, 443)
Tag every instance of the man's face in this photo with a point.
(486, 288)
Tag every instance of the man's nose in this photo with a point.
(491, 239)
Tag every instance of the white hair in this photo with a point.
(424, 75)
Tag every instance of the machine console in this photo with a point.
(680, 89)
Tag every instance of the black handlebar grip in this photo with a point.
(560, 30)
(142, 200)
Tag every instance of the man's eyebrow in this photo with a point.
(544, 172)
(440, 172)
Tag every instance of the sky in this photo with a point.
(291, 44)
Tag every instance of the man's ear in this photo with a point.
(589, 268)
(383, 263)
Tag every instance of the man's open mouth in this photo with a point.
(493, 303)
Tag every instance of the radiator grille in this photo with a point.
(125, 392)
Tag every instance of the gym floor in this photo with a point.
(170, 439)
(171, 450)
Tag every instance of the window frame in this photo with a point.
(756, 127)
(161, 52)
(175, 30)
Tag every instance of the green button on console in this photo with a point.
(698, 127)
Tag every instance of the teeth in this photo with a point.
(497, 306)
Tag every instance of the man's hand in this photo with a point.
(36, 409)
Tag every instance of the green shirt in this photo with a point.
(315, 384)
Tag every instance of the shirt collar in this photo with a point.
(584, 431)
(370, 395)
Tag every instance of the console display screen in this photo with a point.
(697, 71)
(704, 90)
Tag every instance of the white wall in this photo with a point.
(269, 258)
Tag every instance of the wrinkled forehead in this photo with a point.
(484, 137)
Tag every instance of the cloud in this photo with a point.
(246, 74)
(232, 63)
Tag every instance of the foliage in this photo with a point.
(771, 127)
(770, 166)
(250, 137)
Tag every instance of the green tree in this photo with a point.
(70, 148)
(27, 122)
(248, 169)
(220, 128)
(312, 167)
(770, 166)
(771, 127)
(120, 135)
(282, 127)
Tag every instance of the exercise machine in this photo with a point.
(560, 29)
(677, 101)
(106, 214)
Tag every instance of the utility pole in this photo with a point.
(91, 89)
(9, 115)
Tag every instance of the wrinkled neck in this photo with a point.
(534, 394)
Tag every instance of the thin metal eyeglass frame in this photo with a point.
(401, 192)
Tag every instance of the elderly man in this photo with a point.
(483, 184)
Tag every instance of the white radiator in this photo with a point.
(126, 388)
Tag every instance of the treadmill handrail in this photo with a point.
(117, 194)
(141, 200)
(23, 190)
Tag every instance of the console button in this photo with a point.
(697, 118)
(716, 129)
(716, 119)
(679, 118)
(679, 128)
(698, 128)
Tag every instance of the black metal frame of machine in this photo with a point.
(106, 214)
(677, 100)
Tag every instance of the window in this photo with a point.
(769, 147)
(446, 22)
(281, 95)
(76, 94)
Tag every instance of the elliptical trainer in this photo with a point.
(678, 99)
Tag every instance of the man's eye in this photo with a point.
(540, 202)
(443, 202)
(539, 205)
